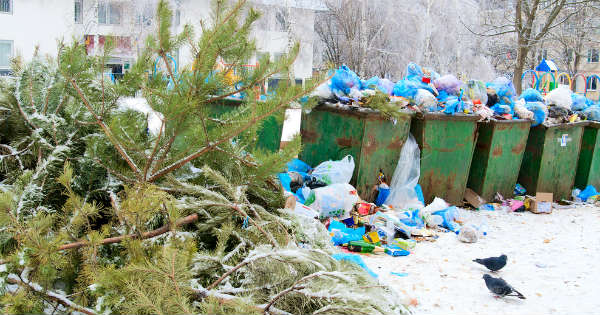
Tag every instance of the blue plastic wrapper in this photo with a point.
(448, 215)
(588, 192)
(419, 192)
(520, 190)
(345, 233)
(504, 89)
(344, 80)
(532, 95)
(539, 112)
(382, 196)
(453, 106)
(354, 259)
(579, 102)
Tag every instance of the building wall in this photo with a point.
(43, 22)
(36, 22)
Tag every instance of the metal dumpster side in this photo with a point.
(588, 167)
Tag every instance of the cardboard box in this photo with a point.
(474, 199)
(542, 203)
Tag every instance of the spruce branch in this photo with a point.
(236, 268)
(59, 298)
(106, 130)
(295, 286)
(146, 235)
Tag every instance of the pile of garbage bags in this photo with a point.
(424, 90)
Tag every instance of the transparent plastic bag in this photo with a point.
(560, 97)
(335, 172)
(406, 177)
(334, 200)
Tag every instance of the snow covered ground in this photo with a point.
(552, 259)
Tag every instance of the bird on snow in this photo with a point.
(492, 263)
(500, 287)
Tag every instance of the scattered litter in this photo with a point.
(399, 274)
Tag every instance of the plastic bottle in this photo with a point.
(364, 247)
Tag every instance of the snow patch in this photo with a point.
(140, 104)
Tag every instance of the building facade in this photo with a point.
(30, 25)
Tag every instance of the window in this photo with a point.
(569, 54)
(6, 54)
(593, 55)
(5, 6)
(592, 84)
(109, 13)
(78, 14)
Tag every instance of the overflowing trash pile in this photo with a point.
(424, 90)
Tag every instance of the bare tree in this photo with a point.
(569, 42)
(530, 21)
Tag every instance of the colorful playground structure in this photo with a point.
(546, 77)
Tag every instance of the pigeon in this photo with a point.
(500, 287)
(492, 263)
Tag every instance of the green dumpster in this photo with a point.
(550, 159)
(446, 144)
(588, 168)
(330, 133)
(497, 158)
(269, 136)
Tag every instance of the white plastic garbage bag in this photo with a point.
(335, 172)
(425, 99)
(560, 97)
(335, 200)
(522, 111)
(405, 178)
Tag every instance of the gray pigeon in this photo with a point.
(500, 287)
(492, 263)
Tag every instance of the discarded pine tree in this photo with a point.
(103, 213)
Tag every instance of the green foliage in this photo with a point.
(102, 211)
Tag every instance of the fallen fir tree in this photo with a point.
(102, 214)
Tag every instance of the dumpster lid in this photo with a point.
(442, 116)
(565, 125)
(357, 111)
(593, 124)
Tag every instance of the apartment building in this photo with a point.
(27, 25)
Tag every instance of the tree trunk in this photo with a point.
(522, 53)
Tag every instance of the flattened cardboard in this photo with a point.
(474, 199)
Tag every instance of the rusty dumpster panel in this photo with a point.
(330, 133)
(498, 156)
(550, 159)
(447, 144)
(588, 167)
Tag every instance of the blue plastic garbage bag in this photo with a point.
(532, 95)
(285, 180)
(406, 88)
(343, 80)
(539, 112)
(355, 259)
(505, 90)
(370, 83)
(588, 192)
(448, 215)
(414, 72)
(386, 86)
(453, 106)
(448, 83)
(579, 102)
(297, 165)
(343, 234)
(592, 113)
